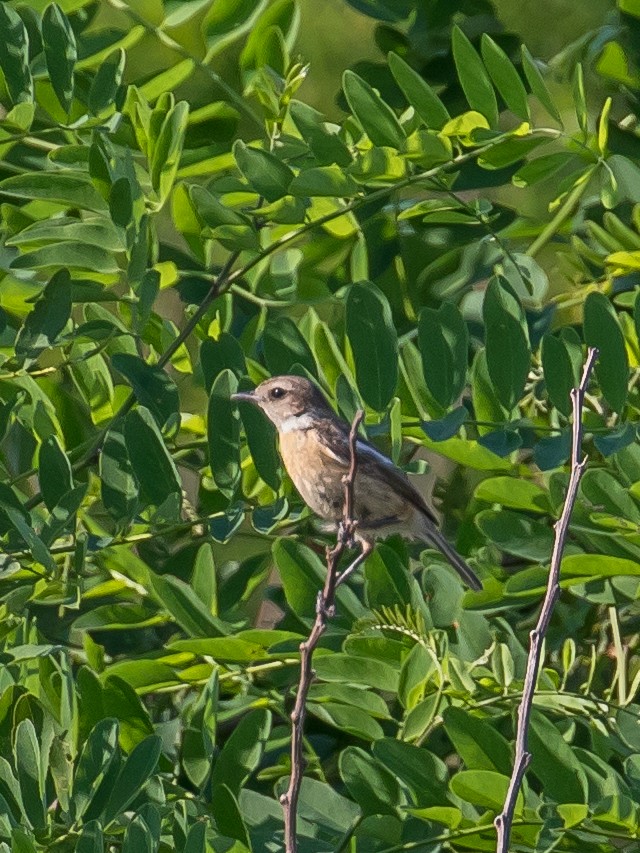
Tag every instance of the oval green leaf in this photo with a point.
(444, 343)
(60, 52)
(223, 431)
(419, 93)
(268, 175)
(376, 117)
(602, 330)
(507, 342)
(473, 77)
(374, 343)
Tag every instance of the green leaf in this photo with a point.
(135, 772)
(374, 343)
(347, 718)
(516, 534)
(607, 494)
(223, 431)
(30, 773)
(376, 117)
(212, 211)
(38, 549)
(324, 807)
(421, 771)
(477, 743)
(121, 202)
(91, 838)
(558, 371)
(106, 83)
(473, 77)
(21, 842)
(417, 670)
(185, 607)
(580, 99)
(235, 649)
(444, 345)
(218, 355)
(418, 93)
(330, 181)
(228, 815)
(507, 342)
(370, 783)
(484, 788)
(54, 472)
(48, 318)
(14, 58)
(513, 493)
(325, 144)
(98, 760)
(204, 579)
(60, 52)
(151, 462)
(119, 489)
(74, 190)
(242, 752)
(268, 175)
(167, 148)
(541, 168)
(602, 330)
(345, 668)
(138, 837)
(230, 19)
(537, 84)
(152, 386)
(505, 77)
(554, 762)
(81, 256)
(96, 230)
(196, 840)
(387, 580)
(285, 346)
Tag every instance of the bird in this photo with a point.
(314, 445)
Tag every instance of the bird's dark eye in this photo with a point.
(277, 393)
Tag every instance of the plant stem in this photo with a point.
(504, 820)
(325, 608)
(564, 212)
(621, 656)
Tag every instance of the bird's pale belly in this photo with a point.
(317, 476)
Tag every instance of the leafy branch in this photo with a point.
(522, 758)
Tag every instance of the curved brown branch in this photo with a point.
(325, 608)
(522, 757)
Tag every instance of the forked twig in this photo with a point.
(522, 757)
(325, 608)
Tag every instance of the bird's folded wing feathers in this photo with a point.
(372, 463)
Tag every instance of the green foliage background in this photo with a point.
(179, 220)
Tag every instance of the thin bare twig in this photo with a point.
(325, 609)
(504, 820)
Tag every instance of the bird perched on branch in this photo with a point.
(314, 444)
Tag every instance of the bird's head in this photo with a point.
(290, 402)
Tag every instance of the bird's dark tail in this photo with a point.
(434, 537)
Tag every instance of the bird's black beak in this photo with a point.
(245, 396)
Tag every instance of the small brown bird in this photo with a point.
(314, 444)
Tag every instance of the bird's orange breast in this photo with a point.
(316, 474)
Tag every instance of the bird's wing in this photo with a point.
(373, 463)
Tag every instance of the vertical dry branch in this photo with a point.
(325, 608)
(522, 757)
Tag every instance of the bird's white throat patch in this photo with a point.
(294, 422)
